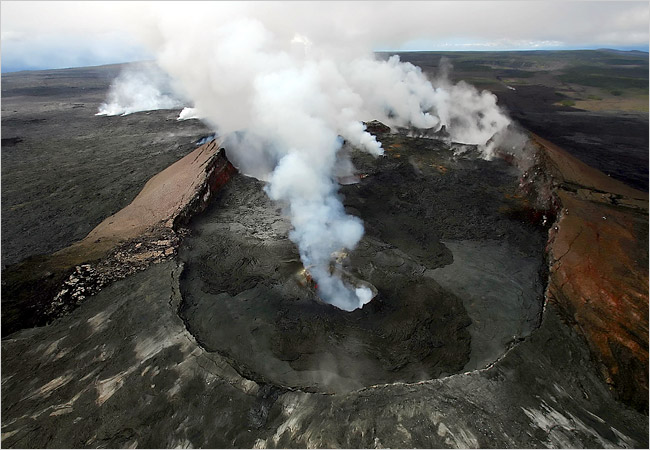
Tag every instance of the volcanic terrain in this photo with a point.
(188, 319)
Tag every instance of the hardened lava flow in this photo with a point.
(446, 296)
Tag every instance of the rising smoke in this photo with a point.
(188, 113)
(140, 87)
(285, 103)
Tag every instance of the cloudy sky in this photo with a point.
(39, 35)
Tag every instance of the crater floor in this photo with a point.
(455, 292)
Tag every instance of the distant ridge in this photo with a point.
(622, 51)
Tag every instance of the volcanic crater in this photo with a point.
(212, 337)
(435, 313)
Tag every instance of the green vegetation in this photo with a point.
(567, 103)
(515, 73)
(620, 61)
(471, 66)
(611, 78)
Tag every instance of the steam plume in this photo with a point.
(139, 88)
(285, 104)
(188, 113)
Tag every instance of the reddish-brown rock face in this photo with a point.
(142, 233)
(188, 183)
(598, 260)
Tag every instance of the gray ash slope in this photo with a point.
(64, 169)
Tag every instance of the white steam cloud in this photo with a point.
(285, 102)
(141, 87)
(188, 113)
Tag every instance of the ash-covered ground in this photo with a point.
(228, 345)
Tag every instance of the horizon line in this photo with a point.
(629, 50)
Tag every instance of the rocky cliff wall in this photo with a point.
(146, 231)
(598, 268)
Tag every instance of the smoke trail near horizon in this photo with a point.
(285, 105)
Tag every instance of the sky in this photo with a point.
(48, 35)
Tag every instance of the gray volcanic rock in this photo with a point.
(193, 354)
(500, 289)
(226, 343)
(122, 370)
(170, 356)
(243, 298)
(242, 276)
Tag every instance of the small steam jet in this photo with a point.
(336, 269)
